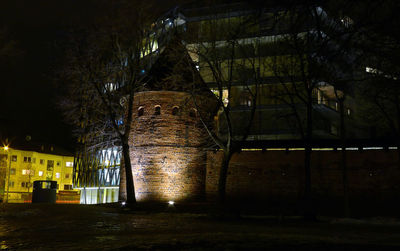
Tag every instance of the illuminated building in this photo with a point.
(260, 49)
(20, 167)
(97, 174)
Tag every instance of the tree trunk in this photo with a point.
(397, 130)
(130, 188)
(223, 176)
(309, 210)
(398, 151)
(122, 181)
(344, 160)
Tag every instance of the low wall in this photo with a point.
(278, 177)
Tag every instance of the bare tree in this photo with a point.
(228, 63)
(379, 46)
(312, 48)
(380, 108)
(105, 69)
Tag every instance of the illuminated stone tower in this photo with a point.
(167, 139)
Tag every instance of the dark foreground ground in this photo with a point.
(83, 227)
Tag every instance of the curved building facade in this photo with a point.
(167, 143)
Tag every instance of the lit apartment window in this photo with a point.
(27, 159)
(69, 164)
(12, 171)
(57, 175)
(28, 172)
(371, 70)
(40, 173)
(42, 161)
(14, 158)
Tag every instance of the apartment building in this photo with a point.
(19, 168)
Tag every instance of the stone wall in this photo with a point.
(373, 175)
(166, 140)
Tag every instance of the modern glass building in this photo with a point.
(97, 175)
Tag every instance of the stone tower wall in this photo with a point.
(166, 149)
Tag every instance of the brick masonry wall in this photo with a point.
(372, 174)
(168, 162)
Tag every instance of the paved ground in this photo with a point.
(80, 227)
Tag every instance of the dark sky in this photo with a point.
(33, 31)
(32, 38)
(37, 31)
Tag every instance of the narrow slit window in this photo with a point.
(175, 110)
(140, 111)
(192, 113)
(157, 110)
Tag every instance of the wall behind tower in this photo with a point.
(278, 177)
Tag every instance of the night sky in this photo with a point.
(30, 89)
(34, 31)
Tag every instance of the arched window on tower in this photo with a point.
(175, 110)
(157, 110)
(140, 111)
(192, 113)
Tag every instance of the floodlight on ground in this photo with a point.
(171, 202)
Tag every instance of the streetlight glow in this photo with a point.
(5, 148)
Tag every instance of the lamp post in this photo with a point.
(6, 148)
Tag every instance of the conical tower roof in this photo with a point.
(174, 70)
